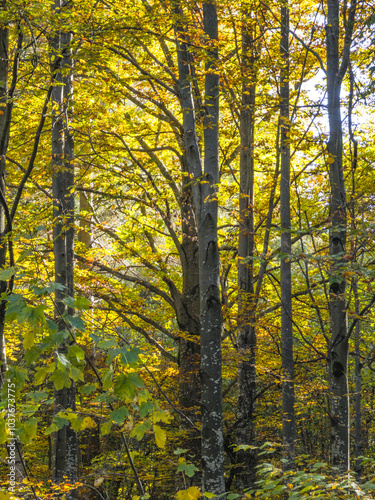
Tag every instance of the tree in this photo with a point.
(247, 301)
(65, 439)
(204, 187)
(286, 247)
(338, 347)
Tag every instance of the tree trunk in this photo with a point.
(358, 440)
(246, 338)
(65, 440)
(338, 346)
(4, 138)
(358, 446)
(286, 248)
(205, 205)
(85, 233)
(209, 272)
(189, 345)
(5, 224)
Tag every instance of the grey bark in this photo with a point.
(5, 219)
(338, 345)
(209, 272)
(286, 248)
(358, 440)
(246, 337)
(4, 135)
(188, 321)
(205, 204)
(85, 233)
(65, 440)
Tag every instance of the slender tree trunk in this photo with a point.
(358, 445)
(209, 272)
(205, 205)
(338, 348)
(85, 233)
(286, 248)
(65, 440)
(189, 345)
(5, 223)
(358, 440)
(246, 339)
(4, 138)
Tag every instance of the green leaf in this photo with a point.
(180, 451)
(104, 398)
(36, 315)
(58, 337)
(30, 427)
(119, 415)
(61, 379)
(188, 469)
(28, 340)
(7, 273)
(129, 356)
(112, 353)
(62, 360)
(41, 373)
(32, 354)
(105, 428)
(76, 353)
(139, 430)
(136, 380)
(107, 343)
(38, 396)
(76, 374)
(124, 387)
(145, 408)
(76, 423)
(57, 424)
(16, 306)
(76, 322)
(107, 378)
(81, 303)
(52, 325)
(88, 389)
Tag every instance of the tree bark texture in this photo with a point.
(338, 346)
(204, 188)
(286, 248)
(4, 138)
(358, 440)
(246, 337)
(85, 232)
(189, 343)
(65, 440)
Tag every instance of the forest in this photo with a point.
(187, 249)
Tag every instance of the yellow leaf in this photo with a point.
(88, 423)
(192, 493)
(4, 495)
(3, 434)
(28, 340)
(160, 436)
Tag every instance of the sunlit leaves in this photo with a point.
(192, 493)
